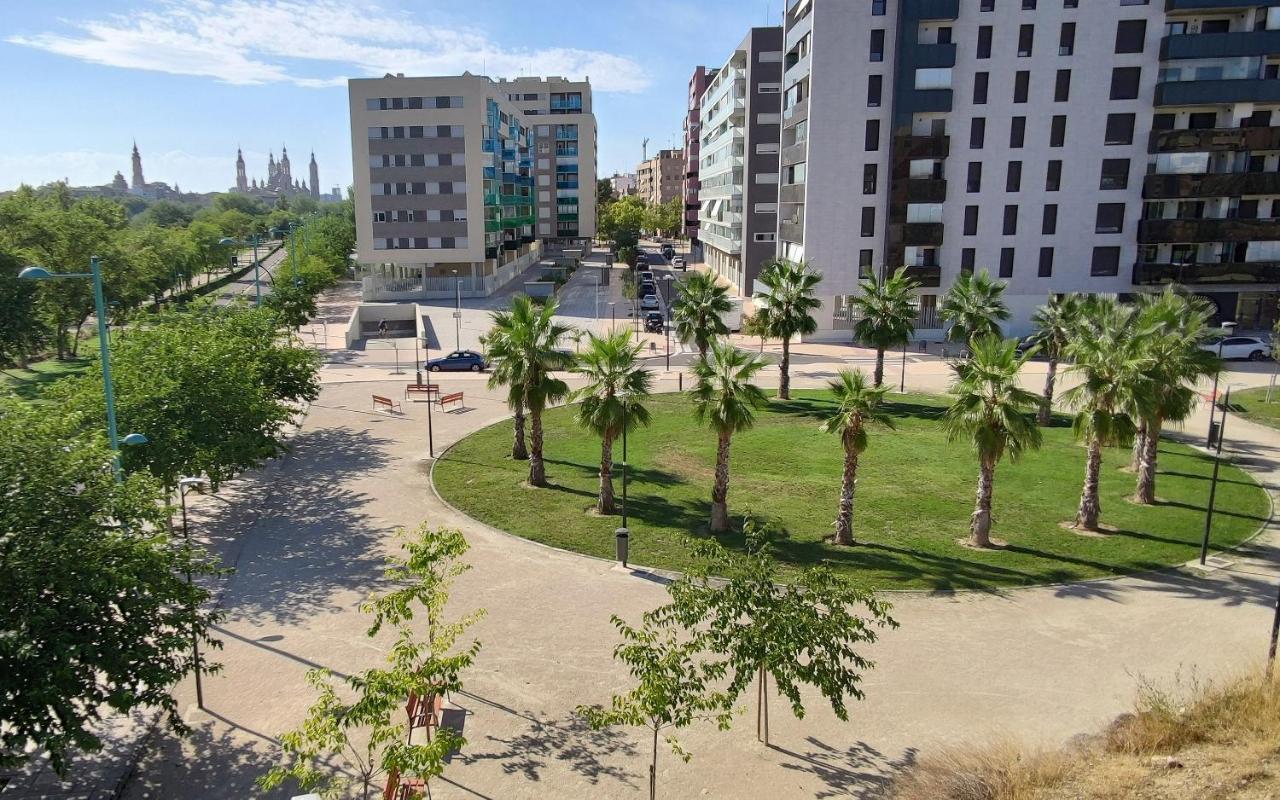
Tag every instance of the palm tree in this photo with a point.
(616, 385)
(1055, 323)
(974, 305)
(697, 310)
(990, 411)
(786, 309)
(858, 405)
(725, 398)
(527, 340)
(507, 371)
(1110, 360)
(886, 314)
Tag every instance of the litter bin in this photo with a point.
(1215, 430)
(622, 542)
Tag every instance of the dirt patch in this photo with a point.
(687, 466)
(996, 544)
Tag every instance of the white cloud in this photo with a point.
(264, 41)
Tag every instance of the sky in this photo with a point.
(190, 80)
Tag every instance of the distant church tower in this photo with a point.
(284, 166)
(271, 166)
(315, 176)
(138, 183)
(242, 180)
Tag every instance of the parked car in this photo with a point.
(668, 251)
(1027, 342)
(649, 302)
(653, 322)
(458, 361)
(642, 259)
(647, 288)
(1254, 348)
(678, 261)
(646, 276)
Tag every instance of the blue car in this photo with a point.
(458, 361)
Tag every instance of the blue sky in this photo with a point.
(192, 79)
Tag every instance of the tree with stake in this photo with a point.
(613, 396)
(786, 309)
(974, 305)
(697, 311)
(886, 314)
(990, 410)
(1055, 323)
(857, 406)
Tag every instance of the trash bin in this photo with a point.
(622, 542)
(1215, 430)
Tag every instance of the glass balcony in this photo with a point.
(567, 217)
(1154, 231)
(1214, 140)
(1232, 184)
(492, 199)
(492, 225)
(1207, 273)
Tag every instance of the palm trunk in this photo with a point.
(980, 523)
(1145, 492)
(784, 379)
(1090, 508)
(1046, 402)
(844, 520)
(1139, 446)
(720, 492)
(605, 503)
(879, 373)
(519, 451)
(537, 470)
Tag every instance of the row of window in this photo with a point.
(1105, 262)
(419, 187)
(397, 103)
(417, 160)
(417, 132)
(1115, 175)
(1109, 219)
(421, 215)
(420, 243)
(1119, 130)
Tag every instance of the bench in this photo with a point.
(456, 397)
(380, 402)
(431, 390)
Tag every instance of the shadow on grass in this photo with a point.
(859, 771)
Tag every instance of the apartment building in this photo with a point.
(661, 179)
(1111, 148)
(623, 184)
(738, 163)
(564, 161)
(692, 147)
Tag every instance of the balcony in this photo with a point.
(922, 234)
(567, 217)
(721, 243)
(918, 147)
(926, 190)
(516, 199)
(1207, 273)
(1231, 184)
(1214, 140)
(1216, 5)
(928, 277)
(791, 193)
(492, 225)
(797, 112)
(791, 232)
(794, 154)
(1219, 45)
(933, 55)
(492, 199)
(935, 9)
(1201, 93)
(1155, 231)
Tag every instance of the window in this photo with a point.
(1106, 262)
(1119, 129)
(871, 141)
(987, 5)
(973, 182)
(770, 57)
(970, 220)
(769, 88)
(1070, 3)
(868, 178)
(792, 173)
(765, 177)
(1026, 33)
(1165, 122)
(1006, 262)
(1046, 263)
(1058, 130)
(1202, 120)
(1017, 131)
(874, 85)
(765, 208)
(1053, 176)
(984, 41)
(1067, 39)
(1010, 220)
(980, 87)
(864, 263)
(1130, 35)
(877, 8)
(1115, 173)
(977, 132)
(1028, 5)
(768, 119)
(1124, 82)
(944, 35)
(877, 44)
(766, 148)
(1110, 218)
(765, 237)
(1013, 177)
(1049, 222)
(966, 261)
(1021, 85)
(1062, 86)
(868, 221)
(933, 78)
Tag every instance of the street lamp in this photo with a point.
(254, 242)
(1227, 329)
(183, 485)
(613, 317)
(666, 300)
(622, 536)
(457, 308)
(34, 273)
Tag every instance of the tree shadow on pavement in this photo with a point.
(218, 760)
(859, 771)
(1229, 587)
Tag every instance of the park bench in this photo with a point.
(431, 390)
(456, 397)
(380, 402)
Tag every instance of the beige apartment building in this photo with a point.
(661, 178)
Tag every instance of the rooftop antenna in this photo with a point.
(644, 149)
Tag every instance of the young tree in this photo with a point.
(1055, 323)
(857, 406)
(990, 410)
(622, 221)
(754, 326)
(786, 309)
(612, 398)
(293, 305)
(974, 305)
(725, 399)
(886, 316)
(697, 310)
(604, 193)
(22, 333)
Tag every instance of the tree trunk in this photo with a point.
(537, 470)
(878, 377)
(1139, 446)
(764, 702)
(980, 523)
(1046, 402)
(784, 367)
(75, 340)
(1145, 492)
(1090, 508)
(605, 503)
(519, 451)
(720, 492)
(844, 520)
(653, 767)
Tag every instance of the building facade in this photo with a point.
(738, 163)
(661, 179)
(692, 148)
(1105, 149)
(623, 184)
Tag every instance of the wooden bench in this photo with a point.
(431, 390)
(456, 397)
(380, 402)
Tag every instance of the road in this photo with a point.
(243, 286)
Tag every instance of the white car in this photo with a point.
(649, 303)
(678, 261)
(1251, 347)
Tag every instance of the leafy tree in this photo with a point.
(616, 386)
(243, 203)
(754, 326)
(604, 193)
(974, 305)
(725, 399)
(697, 310)
(166, 214)
(990, 411)
(786, 309)
(22, 333)
(857, 406)
(294, 305)
(622, 221)
(665, 218)
(886, 316)
(96, 613)
(1055, 323)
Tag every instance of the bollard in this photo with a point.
(621, 543)
(680, 377)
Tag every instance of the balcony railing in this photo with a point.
(918, 147)
(791, 232)
(926, 190)
(1214, 5)
(1199, 93)
(1219, 45)
(1214, 140)
(1207, 273)
(927, 275)
(1234, 184)
(1155, 231)
(917, 234)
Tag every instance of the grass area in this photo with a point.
(915, 495)
(29, 384)
(1252, 405)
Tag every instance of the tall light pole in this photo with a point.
(666, 325)
(622, 536)
(1227, 329)
(1213, 482)
(35, 273)
(457, 308)
(183, 485)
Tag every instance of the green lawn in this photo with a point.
(1252, 405)
(29, 384)
(915, 495)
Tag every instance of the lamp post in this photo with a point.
(183, 485)
(257, 286)
(1213, 482)
(613, 316)
(457, 309)
(622, 536)
(35, 273)
(1227, 329)
(666, 327)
